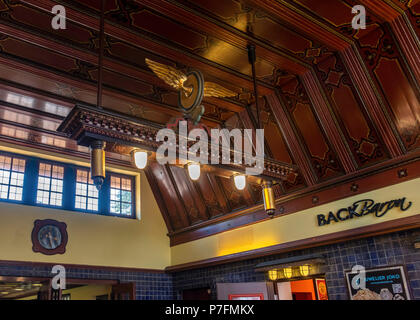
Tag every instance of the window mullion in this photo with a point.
(30, 182)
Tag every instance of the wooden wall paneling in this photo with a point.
(362, 138)
(372, 101)
(387, 67)
(328, 123)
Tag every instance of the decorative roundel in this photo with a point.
(195, 81)
(49, 237)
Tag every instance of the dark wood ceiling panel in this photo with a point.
(256, 23)
(362, 138)
(336, 115)
(413, 14)
(323, 159)
(214, 200)
(337, 15)
(175, 208)
(190, 196)
(388, 67)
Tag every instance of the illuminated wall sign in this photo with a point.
(362, 208)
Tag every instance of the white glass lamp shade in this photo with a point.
(240, 181)
(140, 159)
(194, 171)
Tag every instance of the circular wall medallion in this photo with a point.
(195, 82)
(49, 237)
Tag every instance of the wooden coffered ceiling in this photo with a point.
(338, 103)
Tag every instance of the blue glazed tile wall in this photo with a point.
(149, 286)
(386, 250)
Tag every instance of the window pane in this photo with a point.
(87, 194)
(115, 182)
(115, 207)
(12, 174)
(121, 196)
(50, 185)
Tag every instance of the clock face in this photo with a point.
(49, 237)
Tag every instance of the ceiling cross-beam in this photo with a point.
(159, 47)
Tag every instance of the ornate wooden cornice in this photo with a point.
(85, 124)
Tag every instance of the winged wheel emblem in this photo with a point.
(192, 88)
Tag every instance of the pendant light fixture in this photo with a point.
(267, 190)
(239, 181)
(273, 275)
(139, 158)
(268, 196)
(97, 147)
(194, 170)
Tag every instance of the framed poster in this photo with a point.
(387, 283)
(321, 289)
(253, 296)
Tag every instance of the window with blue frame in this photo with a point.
(87, 196)
(12, 173)
(50, 185)
(38, 182)
(121, 195)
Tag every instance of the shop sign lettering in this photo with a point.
(362, 208)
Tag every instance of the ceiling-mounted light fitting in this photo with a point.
(273, 275)
(194, 170)
(288, 272)
(139, 158)
(240, 181)
(304, 270)
(97, 162)
(268, 196)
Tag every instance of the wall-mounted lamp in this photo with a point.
(139, 158)
(240, 181)
(268, 196)
(288, 272)
(194, 170)
(273, 275)
(304, 270)
(97, 162)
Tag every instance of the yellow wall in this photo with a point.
(143, 243)
(296, 226)
(93, 239)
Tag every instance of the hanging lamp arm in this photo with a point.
(101, 54)
(252, 58)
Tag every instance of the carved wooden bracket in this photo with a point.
(86, 124)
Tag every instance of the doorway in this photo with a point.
(24, 288)
(307, 289)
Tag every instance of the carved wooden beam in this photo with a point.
(372, 104)
(86, 124)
